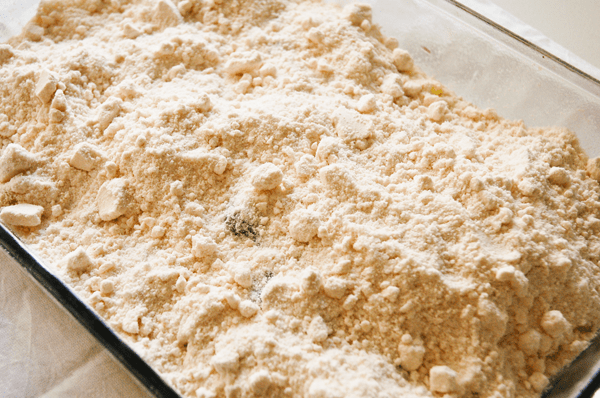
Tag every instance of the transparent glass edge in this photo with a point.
(542, 52)
(585, 92)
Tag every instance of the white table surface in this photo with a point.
(46, 353)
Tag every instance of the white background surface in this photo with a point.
(45, 353)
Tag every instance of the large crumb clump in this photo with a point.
(269, 199)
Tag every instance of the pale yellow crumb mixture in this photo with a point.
(268, 199)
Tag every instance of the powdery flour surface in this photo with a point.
(268, 199)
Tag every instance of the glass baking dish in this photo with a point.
(494, 68)
(479, 60)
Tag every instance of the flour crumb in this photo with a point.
(15, 160)
(167, 14)
(23, 215)
(317, 330)
(85, 157)
(107, 112)
(6, 53)
(442, 379)
(304, 225)
(113, 199)
(78, 261)
(267, 177)
(46, 86)
(402, 60)
(555, 324)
